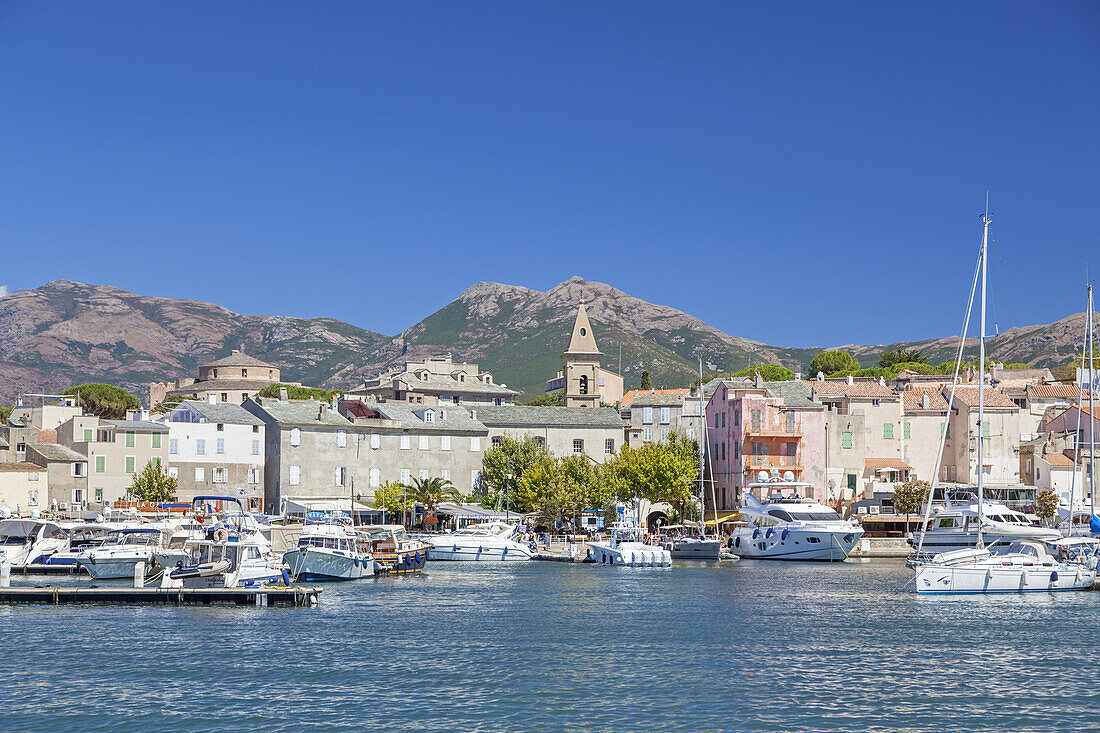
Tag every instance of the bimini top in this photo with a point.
(135, 530)
(233, 499)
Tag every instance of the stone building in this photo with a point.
(439, 378)
(582, 380)
(116, 450)
(656, 414)
(596, 432)
(232, 379)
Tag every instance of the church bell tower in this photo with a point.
(582, 364)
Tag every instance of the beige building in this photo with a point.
(116, 450)
(232, 378)
(924, 412)
(655, 415)
(23, 487)
(582, 380)
(1000, 436)
(440, 378)
(66, 470)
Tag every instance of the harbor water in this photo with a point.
(558, 647)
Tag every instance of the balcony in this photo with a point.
(787, 463)
(777, 430)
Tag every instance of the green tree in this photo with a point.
(298, 393)
(1046, 505)
(910, 496)
(829, 362)
(5, 413)
(647, 381)
(393, 498)
(153, 483)
(104, 400)
(900, 356)
(769, 372)
(497, 475)
(659, 472)
(171, 401)
(431, 492)
(550, 399)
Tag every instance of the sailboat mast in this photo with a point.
(1092, 415)
(702, 444)
(981, 374)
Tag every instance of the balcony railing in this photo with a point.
(755, 462)
(779, 429)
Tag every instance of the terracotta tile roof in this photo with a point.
(968, 395)
(1048, 391)
(895, 463)
(628, 398)
(20, 467)
(855, 389)
(913, 399)
(1058, 459)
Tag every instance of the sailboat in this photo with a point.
(702, 547)
(1079, 519)
(1028, 565)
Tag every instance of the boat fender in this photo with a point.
(221, 535)
(1053, 576)
(737, 542)
(769, 533)
(755, 533)
(784, 535)
(286, 577)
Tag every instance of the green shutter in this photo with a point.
(155, 460)
(985, 429)
(130, 464)
(905, 431)
(852, 481)
(101, 464)
(156, 440)
(845, 440)
(129, 438)
(87, 435)
(888, 430)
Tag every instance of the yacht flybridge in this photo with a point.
(788, 526)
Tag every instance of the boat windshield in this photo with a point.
(818, 515)
(132, 538)
(332, 543)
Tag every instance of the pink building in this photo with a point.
(763, 426)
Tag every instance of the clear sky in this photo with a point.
(799, 173)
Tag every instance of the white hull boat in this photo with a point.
(328, 549)
(956, 527)
(792, 528)
(30, 541)
(491, 541)
(121, 552)
(623, 548)
(694, 548)
(1025, 568)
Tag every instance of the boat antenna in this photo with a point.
(950, 406)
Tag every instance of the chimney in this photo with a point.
(759, 380)
(473, 414)
(821, 376)
(798, 376)
(283, 394)
(234, 352)
(442, 415)
(882, 381)
(321, 411)
(924, 402)
(850, 380)
(334, 405)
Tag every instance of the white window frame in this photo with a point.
(375, 441)
(200, 473)
(423, 476)
(341, 438)
(295, 475)
(445, 474)
(475, 445)
(445, 442)
(220, 447)
(375, 477)
(405, 442)
(255, 447)
(174, 472)
(423, 442)
(295, 436)
(219, 475)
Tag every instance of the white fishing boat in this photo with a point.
(240, 562)
(329, 549)
(121, 551)
(29, 541)
(488, 541)
(624, 547)
(788, 526)
(1026, 567)
(956, 527)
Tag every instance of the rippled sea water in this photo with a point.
(554, 647)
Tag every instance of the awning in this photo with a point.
(476, 512)
(304, 506)
(887, 464)
(723, 517)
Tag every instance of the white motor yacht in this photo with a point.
(1027, 566)
(81, 537)
(329, 549)
(956, 527)
(624, 547)
(29, 541)
(791, 527)
(121, 551)
(495, 541)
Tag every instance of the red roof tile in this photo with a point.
(913, 399)
(968, 395)
(895, 463)
(1047, 391)
(855, 389)
(629, 396)
(1058, 459)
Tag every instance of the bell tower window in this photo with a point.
(584, 384)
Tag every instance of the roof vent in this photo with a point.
(821, 376)
(924, 401)
(321, 411)
(850, 380)
(473, 414)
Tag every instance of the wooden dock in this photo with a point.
(296, 596)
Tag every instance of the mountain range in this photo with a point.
(67, 333)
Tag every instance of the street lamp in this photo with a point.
(509, 468)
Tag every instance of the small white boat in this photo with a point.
(1027, 567)
(790, 527)
(493, 541)
(121, 551)
(624, 547)
(689, 546)
(957, 527)
(329, 549)
(81, 537)
(29, 541)
(234, 563)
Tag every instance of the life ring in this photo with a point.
(221, 534)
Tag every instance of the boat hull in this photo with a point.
(456, 552)
(406, 562)
(631, 554)
(938, 541)
(694, 549)
(110, 568)
(313, 563)
(799, 544)
(934, 579)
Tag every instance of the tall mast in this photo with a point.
(702, 444)
(1092, 415)
(981, 373)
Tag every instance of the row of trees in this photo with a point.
(522, 473)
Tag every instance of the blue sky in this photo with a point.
(799, 173)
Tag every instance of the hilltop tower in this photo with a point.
(582, 365)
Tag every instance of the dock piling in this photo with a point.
(139, 575)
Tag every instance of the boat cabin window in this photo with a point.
(827, 515)
(780, 514)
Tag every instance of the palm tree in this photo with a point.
(431, 492)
